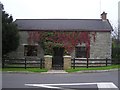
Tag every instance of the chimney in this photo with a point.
(104, 16)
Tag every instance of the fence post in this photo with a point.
(25, 63)
(73, 63)
(41, 63)
(106, 61)
(87, 62)
(3, 62)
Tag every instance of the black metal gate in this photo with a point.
(57, 60)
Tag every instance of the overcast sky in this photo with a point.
(62, 9)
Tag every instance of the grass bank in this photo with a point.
(23, 69)
(94, 68)
(69, 70)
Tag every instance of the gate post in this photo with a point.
(67, 62)
(48, 62)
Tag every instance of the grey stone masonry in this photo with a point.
(48, 62)
(101, 48)
(19, 53)
(67, 62)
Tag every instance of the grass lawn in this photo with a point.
(23, 69)
(94, 68)
(69, 70)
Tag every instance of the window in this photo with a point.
(80, 52)
(30, 50)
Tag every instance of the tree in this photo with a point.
(10, 35)
(116, 45)
(116, 35)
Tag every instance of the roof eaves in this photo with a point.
(81, 30)
(110, 25)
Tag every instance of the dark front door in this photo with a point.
(57, 61)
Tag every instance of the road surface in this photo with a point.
(73, 81)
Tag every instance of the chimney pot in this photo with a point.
(104, 16)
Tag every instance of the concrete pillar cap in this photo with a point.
(47, 56)
(66, 56)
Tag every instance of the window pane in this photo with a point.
(80, 52)
(30, 50)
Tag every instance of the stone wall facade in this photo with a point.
(101, 47)
(19, 53)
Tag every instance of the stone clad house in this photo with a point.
(95, 34)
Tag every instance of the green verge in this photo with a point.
(25, 70)
(94, 68)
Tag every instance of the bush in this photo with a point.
(116, 55)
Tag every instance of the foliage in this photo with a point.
(10, 36)
(115, 43)
(115, 51)
(68, 40)
(115, 48)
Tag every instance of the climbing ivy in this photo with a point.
(68, 40)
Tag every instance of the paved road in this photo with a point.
(17, 80)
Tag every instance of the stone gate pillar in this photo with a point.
(48, 62)
(67, 62)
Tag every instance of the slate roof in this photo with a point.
(64, 24)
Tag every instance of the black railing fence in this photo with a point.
(22, 63)
(83, 62)
(40, 63)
